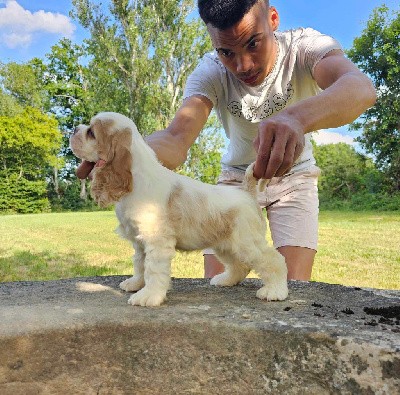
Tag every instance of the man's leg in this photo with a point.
(299, 262)
(293, 218)
(212, 266)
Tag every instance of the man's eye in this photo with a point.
(253, 44)
(90, 133)
(225, 53)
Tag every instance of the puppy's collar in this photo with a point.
(100, 163)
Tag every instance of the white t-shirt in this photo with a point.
(240, 108)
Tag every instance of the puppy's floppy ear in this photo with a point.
(113, 179)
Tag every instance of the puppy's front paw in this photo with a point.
(147, 297)
(132, 284)
(273, 292)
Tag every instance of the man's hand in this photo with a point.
(84, 169)
(279, 143)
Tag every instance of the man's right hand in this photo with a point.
(84, 169)
(280, 141)
(172, 144)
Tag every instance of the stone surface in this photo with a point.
(80, 336)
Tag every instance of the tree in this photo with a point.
(345, 172)
(8, 105)
(141, 53)
(29, 143)
(66, 80)
(21, 83)
(203, 162)
(377, 52)
(136, 62)
(55, 88)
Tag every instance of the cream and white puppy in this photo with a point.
(160, 211)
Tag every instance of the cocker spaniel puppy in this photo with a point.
(160, 211)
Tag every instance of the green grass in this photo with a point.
(62, 245)
(359, 249)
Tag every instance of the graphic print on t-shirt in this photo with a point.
(271, 105)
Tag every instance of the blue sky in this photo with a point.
(28, 28)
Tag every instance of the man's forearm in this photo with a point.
(338, 105)
(172, 144)
(167, 149)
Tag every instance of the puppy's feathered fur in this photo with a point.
(160, 211)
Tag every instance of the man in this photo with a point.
(270, 90)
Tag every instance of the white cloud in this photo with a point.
(14, 40)
(326, 137)
(18, 26)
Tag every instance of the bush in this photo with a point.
(362, 201)
(22, 196)
(68, 198)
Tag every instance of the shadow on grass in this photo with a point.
(47, 265)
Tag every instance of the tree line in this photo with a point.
(136, 61)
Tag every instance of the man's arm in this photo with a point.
(172, 144)
(347, 93)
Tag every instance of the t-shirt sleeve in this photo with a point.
(206, 80)
(313, 46)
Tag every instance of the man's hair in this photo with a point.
(223, 14)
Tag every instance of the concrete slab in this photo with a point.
(80, 336)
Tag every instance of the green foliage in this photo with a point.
(67, 197)
(344, 171)
(204, 158)
(29, 143)
(362, 201)
(351, 181)
(141, 54)
(28, 140)
(20, 195)
(66, 80)
(8, 105)
(203, 162)
(21, 82)
(70, 99)
(136, 62)
(377, 52)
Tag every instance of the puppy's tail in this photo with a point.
(251, 183)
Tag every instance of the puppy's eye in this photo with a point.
(90, 133)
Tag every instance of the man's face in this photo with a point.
(248, 49)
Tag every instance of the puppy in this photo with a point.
(160, 211)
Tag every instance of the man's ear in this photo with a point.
(274, 18)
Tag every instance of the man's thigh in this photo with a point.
(292, 208)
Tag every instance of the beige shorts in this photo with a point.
(292, 206)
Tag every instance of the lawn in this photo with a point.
(358, 249)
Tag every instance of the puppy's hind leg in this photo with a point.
(271, 267)
(157, 274)
(235, 271)
(136, 282)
